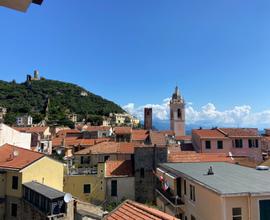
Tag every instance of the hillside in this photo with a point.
(63, 98)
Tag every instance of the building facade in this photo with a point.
(19, 166)
(24, 121)
(240, 142)
(11, 136)
(146, 160)
(223, 191)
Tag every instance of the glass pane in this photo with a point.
(237, 211)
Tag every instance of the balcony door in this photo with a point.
(179, 187)
(265, 210)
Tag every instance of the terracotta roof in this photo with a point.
(96, 128)
(25, 157)
(240, 132)
(192, 157)
(67, 131)
(31, 129)
(119, 168)
(133, 210)
(266, 138)
(109, 148)
(246, 162)
(75, 141)
(157, 138)
(139, 135)
(183, 138)
(167, 132)
(122, 130)
(208, 133)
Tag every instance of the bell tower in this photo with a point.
(177, 113)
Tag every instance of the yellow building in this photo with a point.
(86, 184)
(213, 191)
(19, 166)
(107, 182)
(20, 5)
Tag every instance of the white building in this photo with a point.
(3, 112)
(10, 136)
(24, 121)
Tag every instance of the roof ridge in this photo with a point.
(21, 148)
(142, 206)
(221, 131)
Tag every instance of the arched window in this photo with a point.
(179, 113)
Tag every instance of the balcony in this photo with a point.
(83, 171)
(175, 201)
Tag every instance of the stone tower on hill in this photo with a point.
(177, 113)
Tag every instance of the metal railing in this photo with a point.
(83, 171)
(169, 196)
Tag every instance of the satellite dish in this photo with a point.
(262, 168)
(16, 153)
(59, 151)
(68, 198)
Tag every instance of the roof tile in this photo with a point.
(23, 159)
(134, 210)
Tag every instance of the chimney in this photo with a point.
(210, 171)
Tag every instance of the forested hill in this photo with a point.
(56, 98)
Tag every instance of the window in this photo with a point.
(236, 214)
(185, 187)
(192, 217)
(207, 144)
(14, 208)
(250, 143)
(82, 160)
(238, 143)
(179, 113)
(142, 172)
(106, 158)
(256, 143)
(253, 143)
(86, 188)
(192, 193)
(114, 188)
(15, 182)
(220, 144)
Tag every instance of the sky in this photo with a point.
(135, 52)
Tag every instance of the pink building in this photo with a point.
(241, 142)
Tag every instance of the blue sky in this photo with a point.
(136, 51)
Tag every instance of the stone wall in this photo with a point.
(146, 160)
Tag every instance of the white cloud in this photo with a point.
(207, 115)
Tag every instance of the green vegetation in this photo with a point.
(53, 100)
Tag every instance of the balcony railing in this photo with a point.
(82, 171)
(175, 201)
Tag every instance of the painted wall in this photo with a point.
(46, 171)
(253, 153)
(221, 207)
(74, 184)
(99, 158)
(125, 188)
(10, 136)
